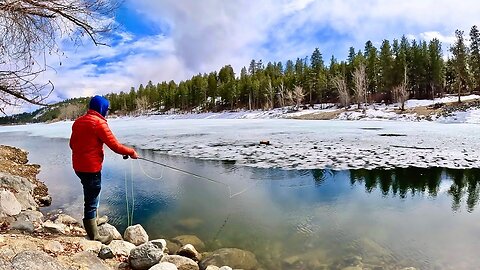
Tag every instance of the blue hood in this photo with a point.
(99, 104)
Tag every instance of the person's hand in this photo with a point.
(134, 155)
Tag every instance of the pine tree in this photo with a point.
(459, 61)
(474, 60)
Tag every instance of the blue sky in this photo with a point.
(162, 40)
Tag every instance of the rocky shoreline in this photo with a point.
(31, 240)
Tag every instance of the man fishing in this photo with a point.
(89, 133)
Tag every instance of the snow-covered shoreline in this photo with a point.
(335, 144)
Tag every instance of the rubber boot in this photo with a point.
(92, 231)
(102, 220)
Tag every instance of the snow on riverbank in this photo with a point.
(338, 145)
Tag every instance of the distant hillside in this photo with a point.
(65, 110)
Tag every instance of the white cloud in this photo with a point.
(202, 36)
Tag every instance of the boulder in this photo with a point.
(107, 229)
(35, 260)
(190, 252)
(87, 260)
(182, 240)
(22, 225)
(30, 215)
(182, 263)
(54, 228)
(160, 243)
(16, 183)
(105, 253)
(172, 247)
(5, 265)
(145, 256)
(9, 205)
(136, 235)
(26, 200)
(164, 266)
(212, 267)
(53, 247)
(225, 268)
(121, 248)
(90, 245)
(233, 257)
(66, 219)
(45, 200)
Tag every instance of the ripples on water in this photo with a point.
(294, 219)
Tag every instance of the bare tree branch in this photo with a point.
(32, 29)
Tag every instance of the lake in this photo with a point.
(426, 218)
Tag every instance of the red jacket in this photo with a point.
(89, 133)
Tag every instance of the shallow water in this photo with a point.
(291, 219)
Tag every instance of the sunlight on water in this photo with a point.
(305, 219)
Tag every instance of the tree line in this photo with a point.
(393, 72)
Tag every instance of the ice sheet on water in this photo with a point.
(296, 144)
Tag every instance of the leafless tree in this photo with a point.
(281, 94)
(298, 96)
(142, 104)
(400, 92)
(360, 84)
(30, 30)
(270, 95)
(341, 87)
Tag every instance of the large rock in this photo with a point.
(26, 200)
(233, 257)
(22, 225)
(54, 228)
(107, 229)
(182, 240)
(87, 260)
(30, 215)
(35, 260)
(182, 263)
(164, 266)
(145, 256)
(90, 245)
(5, 265)
(66, 219)
(121, 248)
(136, 235)
(53, 247)
(16, 183)
(9, 205)
(160, 243)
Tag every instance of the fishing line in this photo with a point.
(200, 177)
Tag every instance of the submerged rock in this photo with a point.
(233, 257)
(182, 263)
(164, 266)
(190, 252)
(182, 240)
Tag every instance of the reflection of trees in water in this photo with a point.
(465, 182)
(401, 181)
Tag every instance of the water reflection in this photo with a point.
(404, 181)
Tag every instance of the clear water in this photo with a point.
(291, 219)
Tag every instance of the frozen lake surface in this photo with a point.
(295, 144)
